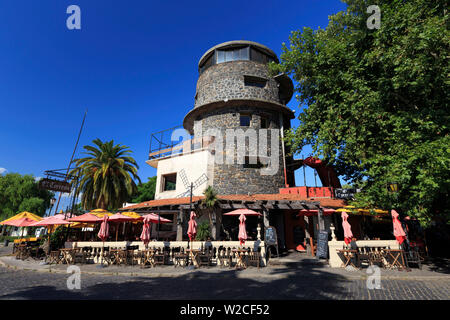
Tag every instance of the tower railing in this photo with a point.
(162, 146)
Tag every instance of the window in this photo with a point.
(233, 55)
(169, 182)
(264, 123)
(245, 120)
(255, 81)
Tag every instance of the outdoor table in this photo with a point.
(348, 255)
(397, 256)
(240, 254)
(193, 254)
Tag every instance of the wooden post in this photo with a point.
(180, 219)
(266, 217)
(320, 218)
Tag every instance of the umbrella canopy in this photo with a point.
(242, 232)
(87, 218)
(192, 228)
(22, 222)
(246, 212)
(50, 221)
(310, 213)
(399, 233)
(23, 218)
(104, 228)
(136, 216)
(348, 235)
(145, 235)
(119, 217)
(156, 218)
(100, 213)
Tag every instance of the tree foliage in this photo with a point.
(107, 175)
(375, 102)
(145, 191)
(21, 193)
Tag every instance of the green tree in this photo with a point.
(209, 201)
(21, 193)
(374, 102)
(145, 191)
(107, 175)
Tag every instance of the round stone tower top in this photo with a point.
(235, 74)
(230, 45)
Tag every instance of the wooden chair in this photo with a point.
(161, 257)
(205, 258)
(180, 257)
(225, 257)
(254, 257)
(54, 257)
(413, 256)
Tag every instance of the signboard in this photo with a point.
(270, 237)
(55, 185)
(322, 244)
(345, 193)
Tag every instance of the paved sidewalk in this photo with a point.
(278, 268)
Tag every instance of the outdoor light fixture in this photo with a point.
(52, 201)
(213, 219)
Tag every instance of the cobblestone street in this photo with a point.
(304, 279)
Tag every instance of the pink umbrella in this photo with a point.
(87, 217)
(246, 212)
(22, 222)
(145, 235)
(348, 235)
(104, 228)
(192, 228)
(399, 233)
(50, 221)
(155, 218)
(242, 232)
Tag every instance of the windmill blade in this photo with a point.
(197, 183)
(184, 178)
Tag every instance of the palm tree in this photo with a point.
(106, 175)
(210, 201)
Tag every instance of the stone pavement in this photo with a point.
(289, 278)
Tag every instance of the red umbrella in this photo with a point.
(145, 235)
(399, 233)
(242, 232)
(104, 228)
(192, 228)
(348, 235)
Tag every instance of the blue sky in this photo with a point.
(133, 65)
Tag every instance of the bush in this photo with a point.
(203, 231)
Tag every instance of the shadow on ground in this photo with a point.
(295, 281)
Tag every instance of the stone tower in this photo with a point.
(235, 91)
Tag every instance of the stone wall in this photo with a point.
(235, 178)
(226, 81)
